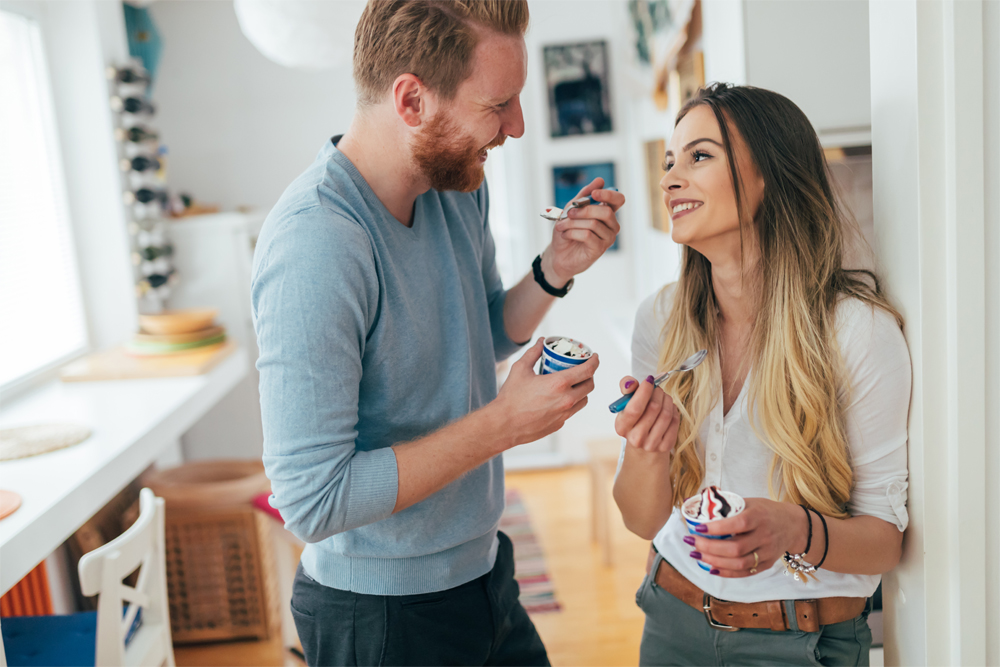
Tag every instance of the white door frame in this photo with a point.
(928, 137)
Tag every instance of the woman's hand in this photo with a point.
(650, 420)
(766, 527)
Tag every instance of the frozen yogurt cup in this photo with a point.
(712, 504)
(561, 352)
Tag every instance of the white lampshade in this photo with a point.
(304, 34)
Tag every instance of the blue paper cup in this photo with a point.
(689, 510)
(553, 362)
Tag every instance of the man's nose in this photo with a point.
(513, 122)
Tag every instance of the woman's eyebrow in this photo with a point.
(698, 141)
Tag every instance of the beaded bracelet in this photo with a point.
(795, 564)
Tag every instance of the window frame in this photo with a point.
(36, 12)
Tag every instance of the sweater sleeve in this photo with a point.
(496, 295)
(314, 297)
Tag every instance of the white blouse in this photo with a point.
(735, 459)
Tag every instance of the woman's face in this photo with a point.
(698, 187)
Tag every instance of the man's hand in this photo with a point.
(581, 238)
(533, 406)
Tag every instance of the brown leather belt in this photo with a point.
(769, 615)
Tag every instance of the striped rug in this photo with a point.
(537, 591)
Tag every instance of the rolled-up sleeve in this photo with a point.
(496, 295)
(314, 298)
(878, 367)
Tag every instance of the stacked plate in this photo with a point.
(174, 331)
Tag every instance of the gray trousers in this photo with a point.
(677, 634)
(478, 623)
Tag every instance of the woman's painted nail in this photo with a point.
(713, 571)
(689, 540)
(696, 555)
(629, 384)
(649, 379)
(701, 529)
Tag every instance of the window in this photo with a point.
(41, 307)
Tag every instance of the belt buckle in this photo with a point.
(706, 604)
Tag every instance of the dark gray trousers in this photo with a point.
(677, 634)
(478, 623)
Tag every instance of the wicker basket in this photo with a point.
(220, 573)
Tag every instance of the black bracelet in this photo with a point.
(826, 540)
(809, 540)
(536, 270)
(795, 564)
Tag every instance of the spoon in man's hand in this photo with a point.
(688, 364)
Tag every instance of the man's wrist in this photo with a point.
(490, 421)
(548, 270)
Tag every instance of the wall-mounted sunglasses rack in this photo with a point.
(147, 203)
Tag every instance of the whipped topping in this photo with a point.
(714, 505)
(568, 348)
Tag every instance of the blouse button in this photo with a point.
(718, 428)
(714, 457)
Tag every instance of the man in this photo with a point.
(380, 317)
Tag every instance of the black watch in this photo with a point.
(536, 269)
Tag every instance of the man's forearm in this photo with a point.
(527, 302)
(427, 465)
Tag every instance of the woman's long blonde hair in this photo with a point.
(801, 231)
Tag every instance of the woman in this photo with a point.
(800, 406)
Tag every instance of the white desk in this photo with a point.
(132, 421)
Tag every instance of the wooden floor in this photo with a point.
(599, 623)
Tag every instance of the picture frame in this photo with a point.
(576, 76)
(659, 216)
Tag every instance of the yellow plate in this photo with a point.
(178, 321)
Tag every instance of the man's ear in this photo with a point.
(409, 98)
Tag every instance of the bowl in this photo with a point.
(178, 321)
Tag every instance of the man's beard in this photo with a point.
(449, 160)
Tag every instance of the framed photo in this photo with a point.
(577, 79)
(567, 181)
(659, 215)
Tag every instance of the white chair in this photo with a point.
(110, 639)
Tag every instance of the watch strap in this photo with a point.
(536, 269)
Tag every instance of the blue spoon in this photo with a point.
(688, 364)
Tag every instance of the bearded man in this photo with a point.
(380, 317)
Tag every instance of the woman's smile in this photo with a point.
(679, 207)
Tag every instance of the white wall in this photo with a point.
(815, 53)
(81, 40)
(239, 127)
(935, 126)
(602, 302)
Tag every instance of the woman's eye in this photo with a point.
(700, 155)
(666, 165)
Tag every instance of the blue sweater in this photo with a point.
(373, 334)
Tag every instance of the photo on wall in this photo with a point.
(577, 79)
(567, 181)
(659, 215)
